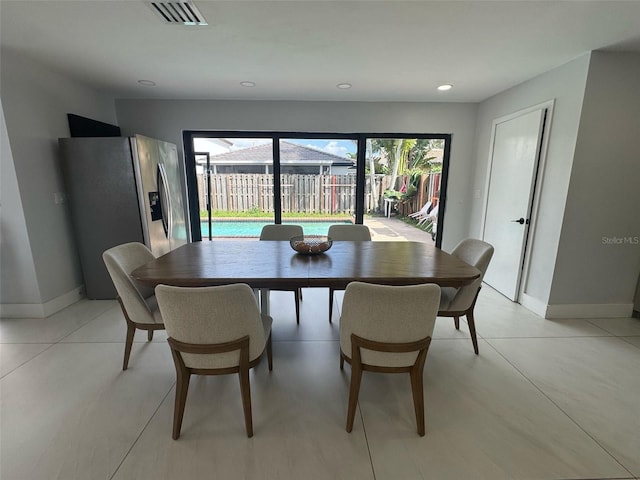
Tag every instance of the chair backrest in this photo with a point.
(212, 315)
(280, 232)
(354, 233)
(391, 314)
(476, 253)
(120, 261)
(426, 208)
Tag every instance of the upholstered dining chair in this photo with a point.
(387, 329)
(214, 331)
(458, 302)
(284, 232)
(137, 301)
(352, 233)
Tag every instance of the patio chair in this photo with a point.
(137, 301)
(214, 331)
(283, 232)
(387, 329)
(352, 233)
(458, 302)
(426, 208)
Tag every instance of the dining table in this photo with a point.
(265, 265)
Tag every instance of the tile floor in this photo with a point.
(543, 400)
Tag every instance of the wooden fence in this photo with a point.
(324, 194)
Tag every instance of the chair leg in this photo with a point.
(354, 389)
(472, 330)
(297, 307)
(245, 390)
(131, 331)
(149, 335)
(269, 353)
(182, 387)
(418, 396)
(330, 304)
(456, 322)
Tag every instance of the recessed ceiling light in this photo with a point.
(344, 86)
(248, 84)
(147, 83)
(445, 87)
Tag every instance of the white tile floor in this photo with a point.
(543, 400)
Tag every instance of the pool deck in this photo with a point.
(394, 229)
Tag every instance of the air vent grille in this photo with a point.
(179, 13)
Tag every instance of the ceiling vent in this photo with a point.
(179, 13)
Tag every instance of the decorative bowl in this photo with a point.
(311, 244)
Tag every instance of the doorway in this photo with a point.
(515, 167)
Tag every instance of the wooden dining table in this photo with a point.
(275, 265)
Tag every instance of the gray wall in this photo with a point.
(35, 102)
(165, 119)
(18, 275)
(604, 193)
(566, 85)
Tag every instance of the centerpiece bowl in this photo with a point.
(311, 244)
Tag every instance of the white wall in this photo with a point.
(604, 192)
(18, 280)
(166, 119)
(35, 102)
(565, 84)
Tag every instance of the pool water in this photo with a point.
(253, 229)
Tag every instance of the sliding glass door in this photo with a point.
(240, 181)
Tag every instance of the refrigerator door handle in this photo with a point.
(167, 211)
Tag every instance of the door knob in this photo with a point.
(520, 221)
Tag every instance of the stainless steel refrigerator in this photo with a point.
(122, 189)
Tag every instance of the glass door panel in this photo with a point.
(405, 173)
(318, 182)
(235, 180)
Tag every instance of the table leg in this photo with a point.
(264, 301)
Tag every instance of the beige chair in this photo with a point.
(352, 233)
(458, 302)
(137, 301)
(387, 329)
(283, 232)
(214, 331)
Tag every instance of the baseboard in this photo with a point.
(41, 310)
(604, 310)
(533, 304)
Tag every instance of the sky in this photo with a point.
(336, 147)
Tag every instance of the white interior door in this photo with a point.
(514, 160)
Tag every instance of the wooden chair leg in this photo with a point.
(245, 390)
(269, 353)
(297, 308)
(330, 304)
(149, 335)
(182, 387)
(354, 388)
(472, 330)
(456, 322)
(418, 394)
(128, 343)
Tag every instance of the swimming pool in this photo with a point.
(252, 229)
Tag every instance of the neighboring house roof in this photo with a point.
(290, 153)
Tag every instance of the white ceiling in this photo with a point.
(388, 50)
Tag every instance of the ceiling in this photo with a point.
(300, 50)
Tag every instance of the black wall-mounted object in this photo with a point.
(87, 127)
